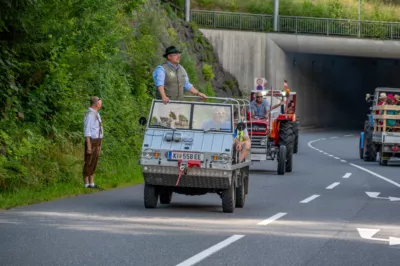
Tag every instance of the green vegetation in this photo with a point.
(53, 56)
(370, 10)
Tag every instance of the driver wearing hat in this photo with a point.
(171, 79)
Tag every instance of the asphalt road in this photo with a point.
(317, 212)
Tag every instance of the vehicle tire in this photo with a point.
(240, 191)
(287, 137)
(381, 161)
(165, 195)
(150, 196)
(228, 198)
(369, 147)
(361, 149)
(296, 137)
(282, 160)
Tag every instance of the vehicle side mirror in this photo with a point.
(241, 126)
(142, 121)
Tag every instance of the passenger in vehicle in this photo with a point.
(241, 139)
(382, 100)
(221, 120)
(390, 122)
(291, 108)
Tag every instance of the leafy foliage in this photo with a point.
(54, 55)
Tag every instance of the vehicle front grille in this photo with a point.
(256, 142)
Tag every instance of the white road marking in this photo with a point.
(272, 218)
(307, 200)
(208, 252)
(330, 155)
(337, 158)
(347, 175)
(344, 161)
(333, 137)
(377, 175)
(349, 135)
(333, 185)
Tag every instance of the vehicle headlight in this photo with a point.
(148, 154)
(223, 157)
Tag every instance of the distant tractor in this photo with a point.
(277, 135)
(381, 133)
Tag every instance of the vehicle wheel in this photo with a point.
(282, 160)
(287, 137)
(240, 191)
(381, 160)
(165, 195)
(361, 149)
(228, 198)
(150, 196)
(369, 147)
(296, 137)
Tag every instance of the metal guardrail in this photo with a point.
(297, 25)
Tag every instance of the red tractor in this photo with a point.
(275, 136)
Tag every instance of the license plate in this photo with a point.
(185, 156)
(258, 157)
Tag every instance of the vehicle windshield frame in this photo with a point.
(190, 117)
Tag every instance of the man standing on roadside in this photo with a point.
(93, 132)
(171, 79)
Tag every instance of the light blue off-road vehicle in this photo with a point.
(189, 149)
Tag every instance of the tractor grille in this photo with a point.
(256, 142)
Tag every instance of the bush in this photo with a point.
(208, 72)
(51, 64)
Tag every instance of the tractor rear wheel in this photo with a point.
(369, 147)
(287, 138)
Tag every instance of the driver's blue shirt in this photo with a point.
(259, 110)
(211, 124)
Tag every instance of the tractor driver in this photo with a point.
(260, 106)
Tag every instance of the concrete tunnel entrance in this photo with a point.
(331, 75)
(332, 88)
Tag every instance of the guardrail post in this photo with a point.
(262, 23)
(240, 21)
(297, 24)
(391, 31)
(327, 26)
(359, 29)
(215, 19)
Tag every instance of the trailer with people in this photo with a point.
(381, 135)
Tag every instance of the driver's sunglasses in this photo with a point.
(220, 113)
(259, 96)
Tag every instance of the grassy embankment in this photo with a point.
(378, 10)
(53, 56)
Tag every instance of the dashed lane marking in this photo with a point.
(307, 200)
(208, 252)
(333, 185)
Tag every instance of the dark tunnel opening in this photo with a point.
(331, 89)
